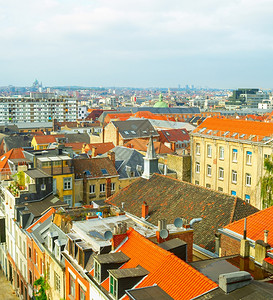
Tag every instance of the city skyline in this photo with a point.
(137, 44)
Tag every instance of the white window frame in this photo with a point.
(221, 152)
(92, 189)
(234, 155)
(67, 182)
(197, 149)
(247, 198)
(248, 179)
(102, 188)
(197, 167)
(209, 170)
(221, 173)
(209, 150)
(249, 158)
(234, 176)
(113, 186)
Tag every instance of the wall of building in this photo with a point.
(247, 192)
(181, 165)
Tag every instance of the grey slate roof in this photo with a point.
(36, 173)
(77, 138)
(17, 141)
(127, 157)
(131, 129)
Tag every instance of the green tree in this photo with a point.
(42, 286)
(267, 183)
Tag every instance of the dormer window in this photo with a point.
(113, 286)
(97, 271)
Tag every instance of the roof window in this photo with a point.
(226, 133)
(104, 172)
(3, 158)
(202, 129)
(234, 134)
(242, 135)
(126, 132)
(133, 132)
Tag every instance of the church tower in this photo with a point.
(150, 161)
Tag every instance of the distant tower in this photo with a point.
(150, 161)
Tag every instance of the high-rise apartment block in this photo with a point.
(33, 109)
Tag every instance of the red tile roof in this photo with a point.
(150, 115)
(173, 275)
(256, 224)
(47, 139)
(141, 145)
(75, 146)
(219, 126)
(100, 148)
(174, 135)
(269, 260)
(12, 154)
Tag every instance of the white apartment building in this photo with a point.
(228, 156)
(29, 109)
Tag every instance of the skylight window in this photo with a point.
(242, 135)
(3, 158)
(266, 138)
(209, 131)
(226, 133)
(133, 132)
(126, 132)
(202, 129)
(167, 133)
(234, 134)
(104, 172)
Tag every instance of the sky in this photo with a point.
(137, 43)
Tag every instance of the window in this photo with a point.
(97, 271)
(29, 252)
(104, 172)
(209, 170)
(208, 186)
(68, 200)
(234, 155)
(247, 198)
(234, 176)
(220, 189)
(67, 183)
(113, 186)
(92, 189)
(221, 173)
(209, 150)
(266, 156)
(102, 188)
(196, 182)
(248, 157)
(233, 193)
(57, 282)
(71, 286)
(197, 167)
(248, 179)
(82, 293)
(113, 286)
(221, 152)
(198, 149)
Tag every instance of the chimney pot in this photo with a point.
(145, 210)
(265, 236)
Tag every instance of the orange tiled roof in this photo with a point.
(141, 145)
(256, 224)
(100, 148)
(269, 260)
(150, 115)
(75, 146)
(218, 127)
(47, 139)
(173, 275)
(13, 153)
(117, 117)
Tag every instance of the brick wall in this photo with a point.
(229, 246)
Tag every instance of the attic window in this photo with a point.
(242, 135)
(133, 132)
(167, 133)
(234, 134)
(266, 138)
(208, 132)
(3, 158)
(144, 131)
(202, 129)
(126, 132)
(226, 133)
(183, 132)
(104, 172)
(113, 286)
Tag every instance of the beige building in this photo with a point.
(228, 156)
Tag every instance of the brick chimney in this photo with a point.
(112, 156)
(145, 210)
(108, 187)
(120, 233)
(117, 136)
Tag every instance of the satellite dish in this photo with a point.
(178, 222)
(164, 233)
(99, 214)
(108, 235)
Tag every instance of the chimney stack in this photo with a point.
(145, 210)
(261, 248)
(265, 236)
(112, 156)
(244, 247)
